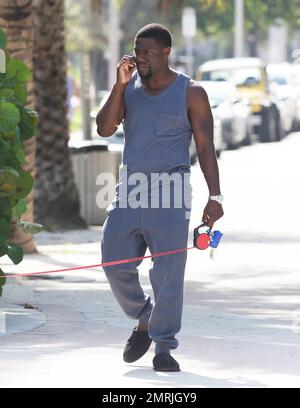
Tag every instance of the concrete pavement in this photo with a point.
(241, 322)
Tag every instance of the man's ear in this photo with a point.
(167, 51)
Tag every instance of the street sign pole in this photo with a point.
(238, 28)
(189, 30)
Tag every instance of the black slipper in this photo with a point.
(165, 362)
(137, 345)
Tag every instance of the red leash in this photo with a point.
(121, 261)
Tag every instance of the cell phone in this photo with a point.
(132, 54)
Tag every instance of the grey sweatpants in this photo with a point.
(127, 233)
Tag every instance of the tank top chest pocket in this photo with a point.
(169, 124)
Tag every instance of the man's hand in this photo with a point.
(212, 212)
(125, 69)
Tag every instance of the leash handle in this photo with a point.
(202, 240)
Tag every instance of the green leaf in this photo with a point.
(20, 208)
(30, 227)
(2, 249)
(11, 69)
(9, 178)
(9, 117)
(25, 185)
(20, 94)
(14, 252)
(20, 155)
(3, 39)
(9, 82)
(17, 69)
(2, 78)
(10, 169)
(9, 135)
(13, 201)
(4, 146)
(6, 93)
(27, 125)
(5, 206)
(33, 115)
(17, 147)
(4, 229)
(23, 73)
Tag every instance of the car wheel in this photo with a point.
(267, 132)
(280, 132)
(248, 138)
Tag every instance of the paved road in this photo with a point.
(241, 323)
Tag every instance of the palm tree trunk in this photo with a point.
(56, 193)
(16, 20)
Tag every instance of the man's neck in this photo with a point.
(160, 80)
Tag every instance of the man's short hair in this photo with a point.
(158, 32)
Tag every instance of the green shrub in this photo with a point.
(17, 124)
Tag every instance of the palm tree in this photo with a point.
(56, 194)
(35, 31)
(16, 20)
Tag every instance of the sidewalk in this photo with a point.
(236, 332)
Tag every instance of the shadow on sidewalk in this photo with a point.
(188, 379)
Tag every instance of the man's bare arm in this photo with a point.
(112, 112)
(202, 123)
(203, 130)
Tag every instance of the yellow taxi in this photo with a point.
(250, 77)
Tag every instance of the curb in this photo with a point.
(19, 318)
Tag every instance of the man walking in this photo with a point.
(161, 108)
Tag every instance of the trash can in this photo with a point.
(91, 158)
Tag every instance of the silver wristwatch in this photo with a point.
(218, 198)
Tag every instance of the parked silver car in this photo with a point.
(232, 110)
(285, 92)
(218, 142)
(296, 84)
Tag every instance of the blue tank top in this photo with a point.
(157, 136)
(157, 129)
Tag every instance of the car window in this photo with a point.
(237, 76)
(216, 94)
(280, 75)
(279, 79)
